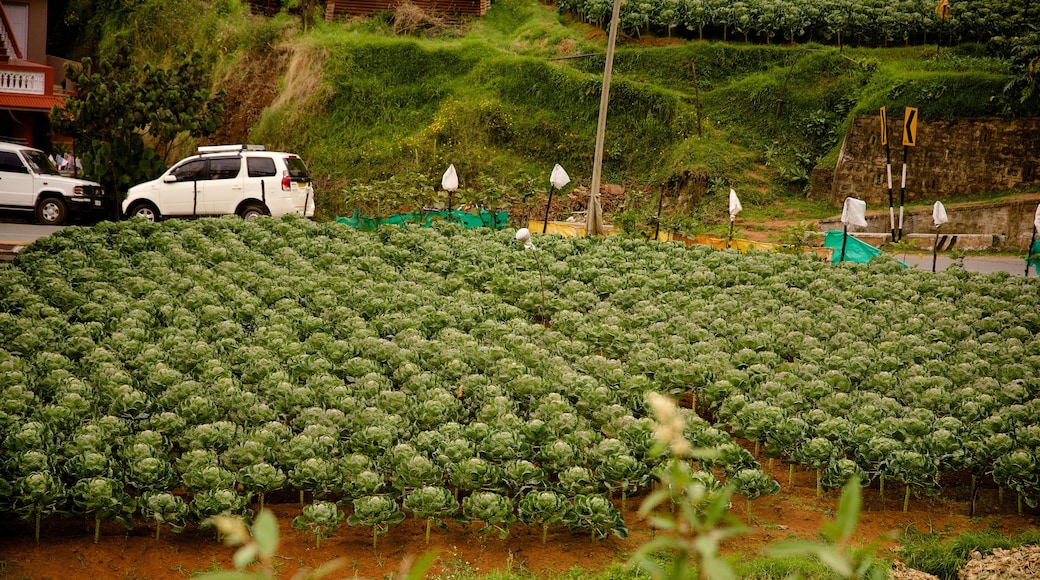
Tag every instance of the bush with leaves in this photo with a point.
(596, 514)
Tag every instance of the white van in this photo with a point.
(244, 180)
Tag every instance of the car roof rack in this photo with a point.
(229, 148)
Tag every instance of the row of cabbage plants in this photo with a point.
(230, 358)
(866, 22)
(180, 370)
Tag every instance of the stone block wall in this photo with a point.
(951, 158)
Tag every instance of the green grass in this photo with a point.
(942, 556)
(494, 97)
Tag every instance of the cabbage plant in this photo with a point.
(105, 499)
(260, 479)
(35, 495)
(321, 518)
(494, 510)
(165, 508)
(378, 512)
(433, 504)
(596, 514)
(544, 508)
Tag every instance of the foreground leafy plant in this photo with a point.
(495, 510)
(258, 550)
(106, 499)
(701, 519)
(837, 553)
(36, 495)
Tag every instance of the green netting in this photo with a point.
(1034, 255)
(468, 219)
(855, 250)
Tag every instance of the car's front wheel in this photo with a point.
(51, 211)
(144, 209)
(251, 212)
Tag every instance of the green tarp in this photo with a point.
(1034, 256)
(855, 250)
(468, 219)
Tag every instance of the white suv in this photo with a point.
(29, 181)
(226, 179)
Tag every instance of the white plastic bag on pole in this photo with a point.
(734, 204)
(450, 181)
(854, 213)
(939, 214)
(523, 235)
(558, 178)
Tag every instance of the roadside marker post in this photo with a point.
(1032, 241)
(909, 140)
(853, 211)
(939, 217)
(888, 170)
(734, 208)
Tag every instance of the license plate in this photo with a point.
(97, 202)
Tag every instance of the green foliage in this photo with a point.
(544, 508)
(872, 22)
(106, 500)
(119, 102)
(165, 508)
(492, 509)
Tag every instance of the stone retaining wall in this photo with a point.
(951, 158)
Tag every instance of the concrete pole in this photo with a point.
(601, 127)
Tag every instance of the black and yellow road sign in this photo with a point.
(884, 127)
(910, 127)
(943, 9)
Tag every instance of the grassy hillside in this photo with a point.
(505, 97)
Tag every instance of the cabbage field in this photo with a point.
(170, 372)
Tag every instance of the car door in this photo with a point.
(181, 191)
(16, 183)
(223, 190)
(263, 181)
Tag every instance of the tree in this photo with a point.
(127, 117)
(1025, 55)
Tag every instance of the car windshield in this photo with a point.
(39, 162)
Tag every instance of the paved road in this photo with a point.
(14, 234)
(983, 264)
(20, 233)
